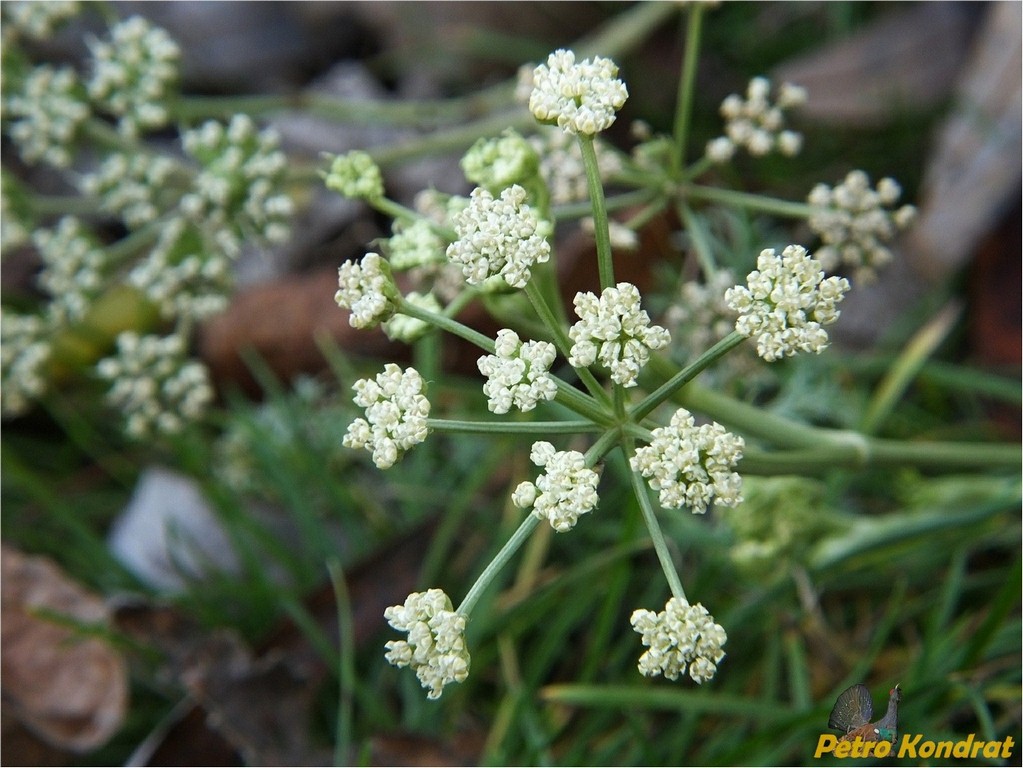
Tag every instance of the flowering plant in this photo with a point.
(593, 383)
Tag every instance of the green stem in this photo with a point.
(571, 211)
(600, 226)
(746, 200)
(346, 664)
(448, 324)
(684, 103)
(499, 561)
(815, 447)
(687, 374)
(514, 427)
(653, 527)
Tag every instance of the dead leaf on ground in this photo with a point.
(68, 688)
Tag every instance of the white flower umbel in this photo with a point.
(134, 72)
(367, 290)
(72, 268)
(756, 124)
(435, 648)
(566, 490)
(579, 97)
(680, 638)
(787, 303)
(24, 351)
(35, 19)
(236, 192)
(130, 185)
(855, 221)
(615, 331)
(408, 329)
(181, 277)
(46, 114)
(396, 413)
(691, 465)
(355, 175)
(518, 374)
(414, 244)
(499, 236)
(497, 163)
(154, 384)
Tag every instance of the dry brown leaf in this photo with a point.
(70, 689)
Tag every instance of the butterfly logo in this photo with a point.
(853, 710)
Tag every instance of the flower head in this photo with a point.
(72, 271)
(787, 303)
(566, 490)
(435, 648)
(396, 413)
(181, 276)
(518, 374)
(154, 384)
(355, 175)
(130, 185)
(133, 73)
(756, 124)
(235, 193)
(855, 222)
(499, 163)
(35, 19)
(614, 330)
(679, 637)
(692, 465)
(414, 244)
(499, 236)
(25, 348)
(579, 97)
(47, 113)
(367, 289)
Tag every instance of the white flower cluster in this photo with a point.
(414, 244)
(396, 413)
(35, 19)
(692, 465)
(24, 350)
(757, 124)
(614, 331)
(855, 222)
(355, 175)
(235, 192)
(561, 164)
(367, 290)
(72, 268)
(46, 115)
(566, 490)
(518, 374)
(133, 74)
(579, 97)
(154, 384)
(128, 185)
(787, 303)
(180, 277)
(435, 648)
(499, 236)
(497, 163)
(408, 329)
(679, 637)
